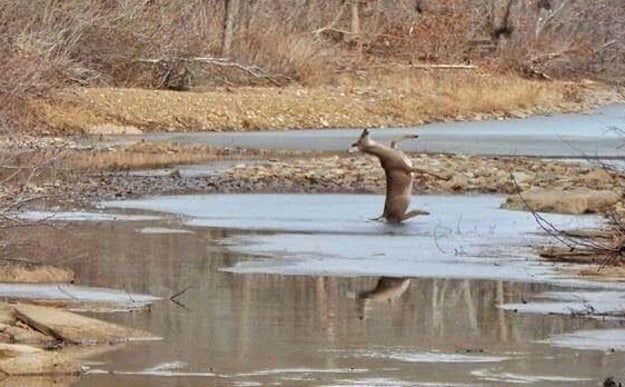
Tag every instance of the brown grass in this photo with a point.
(49, 45)
(142, 156)
(24, 272)
(380, 97)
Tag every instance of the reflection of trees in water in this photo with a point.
(237, 317)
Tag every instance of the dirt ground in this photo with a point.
(391, 96)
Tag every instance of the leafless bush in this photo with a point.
(557, 37)
(47, 44)
(18, 189)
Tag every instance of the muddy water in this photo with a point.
(235, 326)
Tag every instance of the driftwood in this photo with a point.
(581, 233)
(565, 254)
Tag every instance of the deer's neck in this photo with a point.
(381, 151)
(389, 157)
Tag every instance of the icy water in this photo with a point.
(575, 135)
(303, 290)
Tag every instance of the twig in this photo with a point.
(66, 293)
(180, 293)
(443, 66)
(553, 231)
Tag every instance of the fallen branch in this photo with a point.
(443, 66)
(252, 70)
(330, 27)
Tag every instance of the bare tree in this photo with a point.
(355, 17)
(231, 9)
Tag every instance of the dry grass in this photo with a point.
(142, 155)
(380, 97)
(48, 45)
(25, 272)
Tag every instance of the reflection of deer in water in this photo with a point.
(387, 289)
(399, 175)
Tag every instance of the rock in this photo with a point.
(457, 183)
(40, 380)
(6, 314)
(521, 178)
(18, 359)
(576, 201)
(74, 328)
(20, 333)
(175, 174)
(598, 176)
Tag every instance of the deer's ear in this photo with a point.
(365, 132)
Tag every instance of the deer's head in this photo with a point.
(363, 141)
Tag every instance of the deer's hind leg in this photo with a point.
(402, 138)
(413, 213)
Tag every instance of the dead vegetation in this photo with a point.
(145, 155)
(48, 45)
(380, 97)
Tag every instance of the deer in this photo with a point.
(399, 176)
(388, 289)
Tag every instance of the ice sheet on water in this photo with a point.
(573, 302)
(464, 237)
(69, 216)
(73, 293)
(602, 340)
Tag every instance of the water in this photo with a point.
(464, 237)
(275, 325)
(575, 135)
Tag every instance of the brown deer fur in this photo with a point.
(399, 176)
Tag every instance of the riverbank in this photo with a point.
(376, 97)
(145, 168)
(84, 173)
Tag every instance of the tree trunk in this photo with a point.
(229, 25)
(355, 28)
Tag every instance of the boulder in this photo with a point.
(576, 201)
